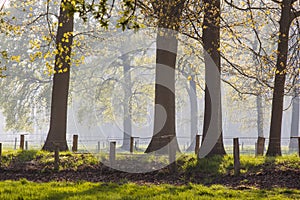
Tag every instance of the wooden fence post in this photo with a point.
(236, 156)
(299, 146)
(197, 146)
(98, 147)
(131, 144)
(242, 146)
(0, 150)
(0, 154)
(260, 146)
(22, 140)
(15, 147)
(75, 143)
(112, 153)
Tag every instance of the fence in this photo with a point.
(247, 145)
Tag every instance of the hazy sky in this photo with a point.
(3, 1)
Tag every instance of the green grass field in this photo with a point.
(24, 189)
(188, 166)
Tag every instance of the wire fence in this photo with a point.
(94, 144)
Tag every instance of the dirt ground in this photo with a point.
(267, 177)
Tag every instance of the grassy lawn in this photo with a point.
(24, 189)
(189, 167)
(186, 162)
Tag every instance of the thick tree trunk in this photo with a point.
(164, 94)
(211, 42)
(274, 148)
(58, 119)
(169, 13)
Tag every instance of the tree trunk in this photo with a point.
(211, 40)
(127, 126)
(164, 95)
(194, 113)
(58, 120)
(274, 148)
(169, 13)
(293, 146)
(259, 97)
(260, 116)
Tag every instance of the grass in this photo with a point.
(188, 164)
(68, 160)
(221, 165)
(24, 189)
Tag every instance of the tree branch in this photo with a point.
(296, 14)
(248, 8)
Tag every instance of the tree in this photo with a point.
(169, 13)
(127, 105)
(56, 137)
(192, 91)
(270, 62)
(286, 18)
(295, 120)
(211, 43)
(64, 39)
(26, 86)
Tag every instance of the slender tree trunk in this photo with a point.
(169, 13)
(194, 113)
(58, 119)
(293, 146)
(274, 148)
(260, 116)
(127, 126)
(259, 97)
(211, 42)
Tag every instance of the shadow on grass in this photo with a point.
(189, 191)
(126, 191)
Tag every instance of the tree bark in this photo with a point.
(58, 120)
(164, 96)
(211, 42)
(194, 113)
(274, 148)
(127, 126)
(293, 146)
(169, 13)
(260, 116)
